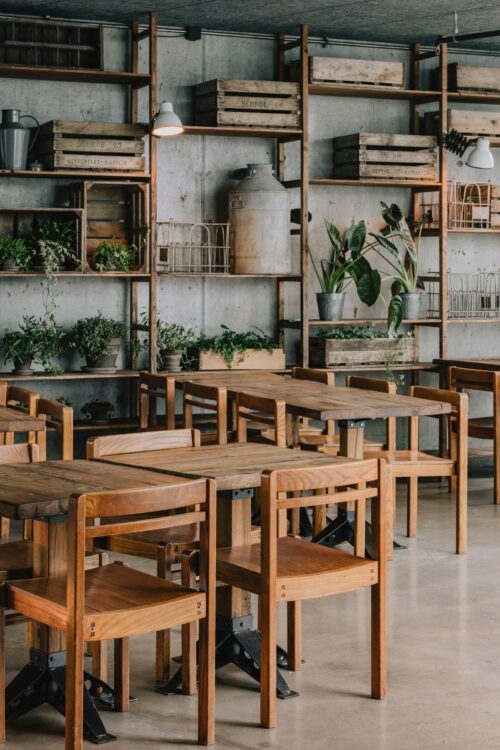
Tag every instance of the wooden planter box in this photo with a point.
(332, 352)
(384, 155)
(50, 43)
(341, 70)
(100, 146)
(465, 78)
(240, 103)
(254, 359)
(112, 210)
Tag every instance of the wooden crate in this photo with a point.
(50, 43)
(104, 146)
(470, 123)
(495, 207)
(385, 156)
(240, 103)
(113, 210)
(465, 78)
(331, 352)
(348, 72)
(24, 223)
(254, 359)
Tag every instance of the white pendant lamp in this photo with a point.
(166, 123)
(481, 157)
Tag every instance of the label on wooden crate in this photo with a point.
(90, 145)
(348, 71)
(466, 78)
(363, 154)
(248, 119)
(99, 162)
(384, 171)
(262, 103)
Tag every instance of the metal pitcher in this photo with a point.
(15, 139)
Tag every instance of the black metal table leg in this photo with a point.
(43, 680)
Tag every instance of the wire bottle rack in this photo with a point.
(469, 206)
(201, 247)
(470, 295)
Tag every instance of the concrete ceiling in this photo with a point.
(370, 20)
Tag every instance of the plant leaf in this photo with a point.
(368, 287)
(355, 238)
(394, 315)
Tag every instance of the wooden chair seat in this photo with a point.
(405, 459)
(112, 593)
(305, 570)
(481, 427)
(16, 560)
(332, 443)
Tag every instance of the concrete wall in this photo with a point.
(194, 177)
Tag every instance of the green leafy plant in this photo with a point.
(21, 345)
(401, 253)
(173, 338)
(98, 409)
(92, 336)
(63, 400)
(113, 255)
(17, 251)
(50, 340)
(347, 333)
(231, 346)
(347, 262)
(55, 245)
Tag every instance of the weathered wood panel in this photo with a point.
(331, 352)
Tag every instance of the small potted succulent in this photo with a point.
(54, 246)
(98, 339)
(21, 346)
(97, 410)
(173, 341)
(15, 254)
(114, 255)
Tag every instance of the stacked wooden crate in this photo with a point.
(464, 78)
(470, 123)
(348, 72)
(385, 156)
(241, 103)
(93, 146)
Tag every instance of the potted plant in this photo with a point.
(173, 342)
(98, 411)
(347, 262)
(402, 255)
(15, 254)
(360, 345)
(98, 339)
(21, 346)
(114, 255)
(50, 345)
(54, 246)
(252, 350)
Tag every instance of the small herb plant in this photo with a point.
(92, 337)
(347, 333)
(16, 251)
(55, 245)
(231, 346)
(113, 255)
(174, 338)
(98, 409)
(50, 344)
(21, 345)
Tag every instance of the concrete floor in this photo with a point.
(443, 650)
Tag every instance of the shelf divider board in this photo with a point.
(74, 75)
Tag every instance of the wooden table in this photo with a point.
(237, 469)
(490, 363)
(12, 420)
(41, 492)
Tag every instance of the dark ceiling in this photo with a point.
(370, 20)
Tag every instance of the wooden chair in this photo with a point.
(210, 398)
(21, 399)
(166, 546)
(484, 428)
(116, 601)
(287, 569)
(267, 412)
(413, 463)
(151, 389)
(58, 417)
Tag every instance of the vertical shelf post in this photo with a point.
(443, 201)
(153, 169)
(304, 192)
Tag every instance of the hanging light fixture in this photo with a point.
(481, 156)
(166, 123)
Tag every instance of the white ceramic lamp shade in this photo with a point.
(481, 157)
(166, 123)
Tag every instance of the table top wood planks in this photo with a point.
(12, 420)
(474, 363)
(43, 489)
(234, 466)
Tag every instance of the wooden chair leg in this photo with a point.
(74, 688)
(319, 519)
(188, 578)
(98, 651)
(122, 674)
(378, 646)
(2, 674)
(461, 523)
(295, 521)
(28, 529)
(452, 481)
(360, 528)
(496, 469)
(294, 635)
(412, 506)
(268, 662)
(4, 528)
(163, 570)
(390, 502)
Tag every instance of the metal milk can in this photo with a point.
(15, 139)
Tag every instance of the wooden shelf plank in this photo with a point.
(74, 75)
(371, 92)
(75, 274)
(471, 230)
(365, 321)
(70, 375)
(409, 366)
(428, 185)
(242, 132)
(284, 277)
(75, 174)
(474, 97)
(473, 320)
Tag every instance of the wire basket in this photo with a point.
(201, 247)
(469, 206)
(470, 295)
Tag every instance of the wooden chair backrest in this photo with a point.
(268, 411)
(380, 386)
(20, 453)
(316, 376)
(59, 417)
(459, 411)
(210, 398)
(110, 445)
(161, 507)
(463, 378)
(20, 399)
(151, 388)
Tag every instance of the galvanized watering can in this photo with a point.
(15, 139)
